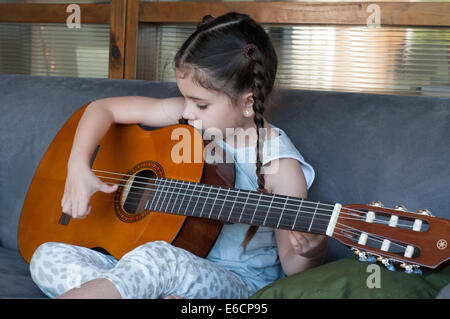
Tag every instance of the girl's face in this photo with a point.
(213, 109)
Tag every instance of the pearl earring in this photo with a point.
(247, 112)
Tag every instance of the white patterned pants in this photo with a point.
(153, 270)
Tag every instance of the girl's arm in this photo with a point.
(100, 114)
(298, 251)
(81, 182)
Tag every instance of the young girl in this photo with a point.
(225, 71)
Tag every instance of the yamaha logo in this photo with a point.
(441, 244)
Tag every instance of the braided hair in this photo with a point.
(234, 55)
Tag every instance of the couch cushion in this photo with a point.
(15, 280)
(348, 278)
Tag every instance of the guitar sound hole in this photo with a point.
(137, 191)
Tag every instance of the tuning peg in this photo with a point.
(364, 256)
(376, 204)
(408, 268)
(387, 263)
(411, 269)
(390, 267)
(425, 212)
(417, 271)
(401, 208)
(370, 258)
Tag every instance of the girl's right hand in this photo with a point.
(81, 184)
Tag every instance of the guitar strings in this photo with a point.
(376, 221)
(264, 194)
(270, 217)
(369, 237)
(222, 199)
(197, 196)
(343, 213)
(261, 196)
(245, 209)
(349, 230)
(193, 183)
(372, 236)
(321, 222)
(274, 196)
(244, 212)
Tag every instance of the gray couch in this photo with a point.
(364, 147)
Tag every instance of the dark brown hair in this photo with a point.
(214, 55)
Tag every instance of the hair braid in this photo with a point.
(259, 94)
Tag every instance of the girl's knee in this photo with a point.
(42, 252)
(151, 255)
(158, 243)
(150, 248)
(40, 264)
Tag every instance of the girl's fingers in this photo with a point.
(83, 209)
(299, 238)
(63, 199)
(292, 239)
(74, 208)
(66, 208)
(105, 188)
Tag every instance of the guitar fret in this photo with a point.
(190, 198)
(159, 197)
(223, 204)
(176, 202)
(184, 195)
(198, 197)
(243, 207)
(234, 202)
(170, 197)
(322, 227)
(214, 203)
(165, 195)
(268, 209)
(273, 213)
(296, 216)
(256, 207)
(312, 219)
(305, 218)
(287, 219)
(154, 195)
(282, 211)
(207, 197)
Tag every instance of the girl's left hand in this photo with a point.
(308, 245)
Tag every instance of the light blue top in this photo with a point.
(260, 265)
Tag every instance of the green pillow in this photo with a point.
(350, 278)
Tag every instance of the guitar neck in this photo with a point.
(234, 205)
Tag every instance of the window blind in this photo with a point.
(53, 49)
(389, 60)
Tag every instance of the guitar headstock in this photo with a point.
(395, 235)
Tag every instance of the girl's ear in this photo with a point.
(248, 104)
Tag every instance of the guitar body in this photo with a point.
(127, 150)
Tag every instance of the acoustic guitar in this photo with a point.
(185, 203)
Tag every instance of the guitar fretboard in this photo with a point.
(239, 206)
